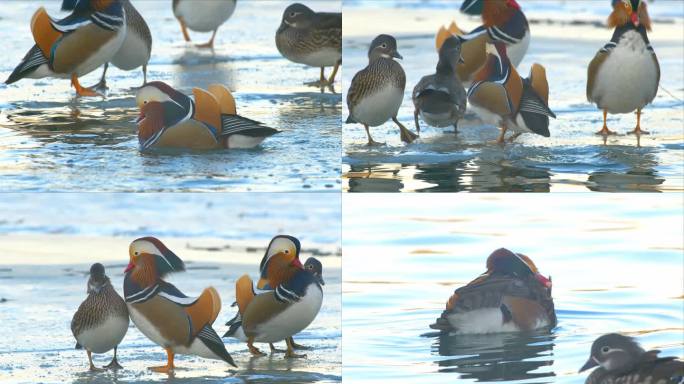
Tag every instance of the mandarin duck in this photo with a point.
(620, 359)
(178, 323)
(202, 16)
(312, 265)
(502, 98)
(289, 307)
(101, 321)
(624, 75)
(502, 21)
(376, 92)
(170, 119)
(76, 45)
(137, 47)
(510, 296)
(440, 99)
(311, 38)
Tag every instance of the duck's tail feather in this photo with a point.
(215, 344)
(34, 58)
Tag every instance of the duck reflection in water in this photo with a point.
(500, 356)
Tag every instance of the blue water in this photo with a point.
(616, 264)
(53, 142)
(572, 159)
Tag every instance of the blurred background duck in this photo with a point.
(502, 98)
(170, 119)
(280, 313)
(440, 99)
(101, 321)
(620, 359)
(502, 21)
(76, 45)
(510, 296)
(625, 73)
(202, 16)
(311, 38)
(137, 46)
(174, 321)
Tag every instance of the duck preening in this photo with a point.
(510, 296)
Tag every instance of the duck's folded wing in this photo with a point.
(235, 124)
(593, 69)
(262, 308)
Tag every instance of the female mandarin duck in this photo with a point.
(624, 75)
(137, 47)
(170, 119)
(101, 321)
(180, 324)
(202, 16)
(620, 359)
(312, 265)
(440, 98)
(511, 296)
(502, 98)
(282, 312)
(76, 45)
(502, 21)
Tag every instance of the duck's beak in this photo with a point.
(296, 263)
(635, 18)
(543, 280)
(591, 363)
(396, 54)
(129, 267)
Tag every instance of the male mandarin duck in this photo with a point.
(312, 265)
(137, 47)
(178, 323)
(377, 91)
(502, 21)
(287, 309)
(624, 75)
(311, 38)
(170, 119)
(502, 98)
(101, 321)
(510, 296)
(620, 359)
(76, 45)
(440, 98)
(202, 16)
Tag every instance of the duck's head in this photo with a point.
(98, 278)
(314, 266)
(296, 16)
(150, 260)
(505, 262)
(614, 352)
(450, 52)
(384, 46)
(160, 106)
(498, 12)
(280, 261)
(629, 11)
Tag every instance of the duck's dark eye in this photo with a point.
(287, 251)
(145, 102)
(383, 45)
(605, 349)
(293, 14)
(136, 253)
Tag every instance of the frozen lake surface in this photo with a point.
(565, 37)
(51, 141)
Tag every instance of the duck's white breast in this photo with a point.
(205, 15)
(379, 107)
(628, 78)
(292, 320)
(133, 53)
(105, 336)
